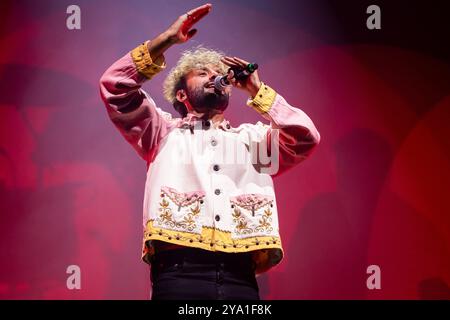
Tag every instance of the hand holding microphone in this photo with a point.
(241, 74)
(238, 73)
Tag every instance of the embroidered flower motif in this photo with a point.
(242, 228)
(195, 211)
(252, 203)
(236, 215)
(187, 223)
(182, 199)
(166, 215)
(184, 220)
(164, 203)
(265, 222)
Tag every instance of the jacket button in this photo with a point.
(207, 123)
(217, 217)
(214, 142)
(217, 191)
(216, 167)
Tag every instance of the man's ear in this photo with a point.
(181, 95)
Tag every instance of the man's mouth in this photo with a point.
(211, 85)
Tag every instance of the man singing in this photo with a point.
(210, 213)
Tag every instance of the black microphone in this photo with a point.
(221, 82)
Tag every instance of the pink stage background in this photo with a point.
(375, 191)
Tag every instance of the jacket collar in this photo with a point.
(192, 118)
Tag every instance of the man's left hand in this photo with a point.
(251, 84)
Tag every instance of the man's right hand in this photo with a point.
(180, 31)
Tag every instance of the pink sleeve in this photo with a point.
(131, 110)
(296, 132)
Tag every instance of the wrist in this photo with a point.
(159, 45)
(168, 38)
(263, 100)
(253, 88)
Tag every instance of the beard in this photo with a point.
(208, 101)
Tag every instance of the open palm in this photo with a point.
(180, 31)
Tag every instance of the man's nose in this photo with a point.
(213, 75)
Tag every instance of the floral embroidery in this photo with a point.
(267, 249)
(166, 214)
(182, 199)
(251, 202)
(264, 222)
(241, 224)
(186, 219)
(207, 238)
(256, 222)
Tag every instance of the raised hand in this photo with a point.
(180, 31)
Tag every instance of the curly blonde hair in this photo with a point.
(197, 57)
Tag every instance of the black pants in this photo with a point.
(190, 274)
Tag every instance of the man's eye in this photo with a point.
(203, 74)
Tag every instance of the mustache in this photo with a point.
(211, 84)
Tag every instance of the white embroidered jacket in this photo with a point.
(209, 185)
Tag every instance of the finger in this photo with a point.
(228, 58)
(198, 13)
(191, 33)
(241, 61)
(185, 27)
(194, 15)
(230, 64)
(202, 8)
(187, 24)
(230, 75)
(234, 83)
(228, 61)
(232, 61)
